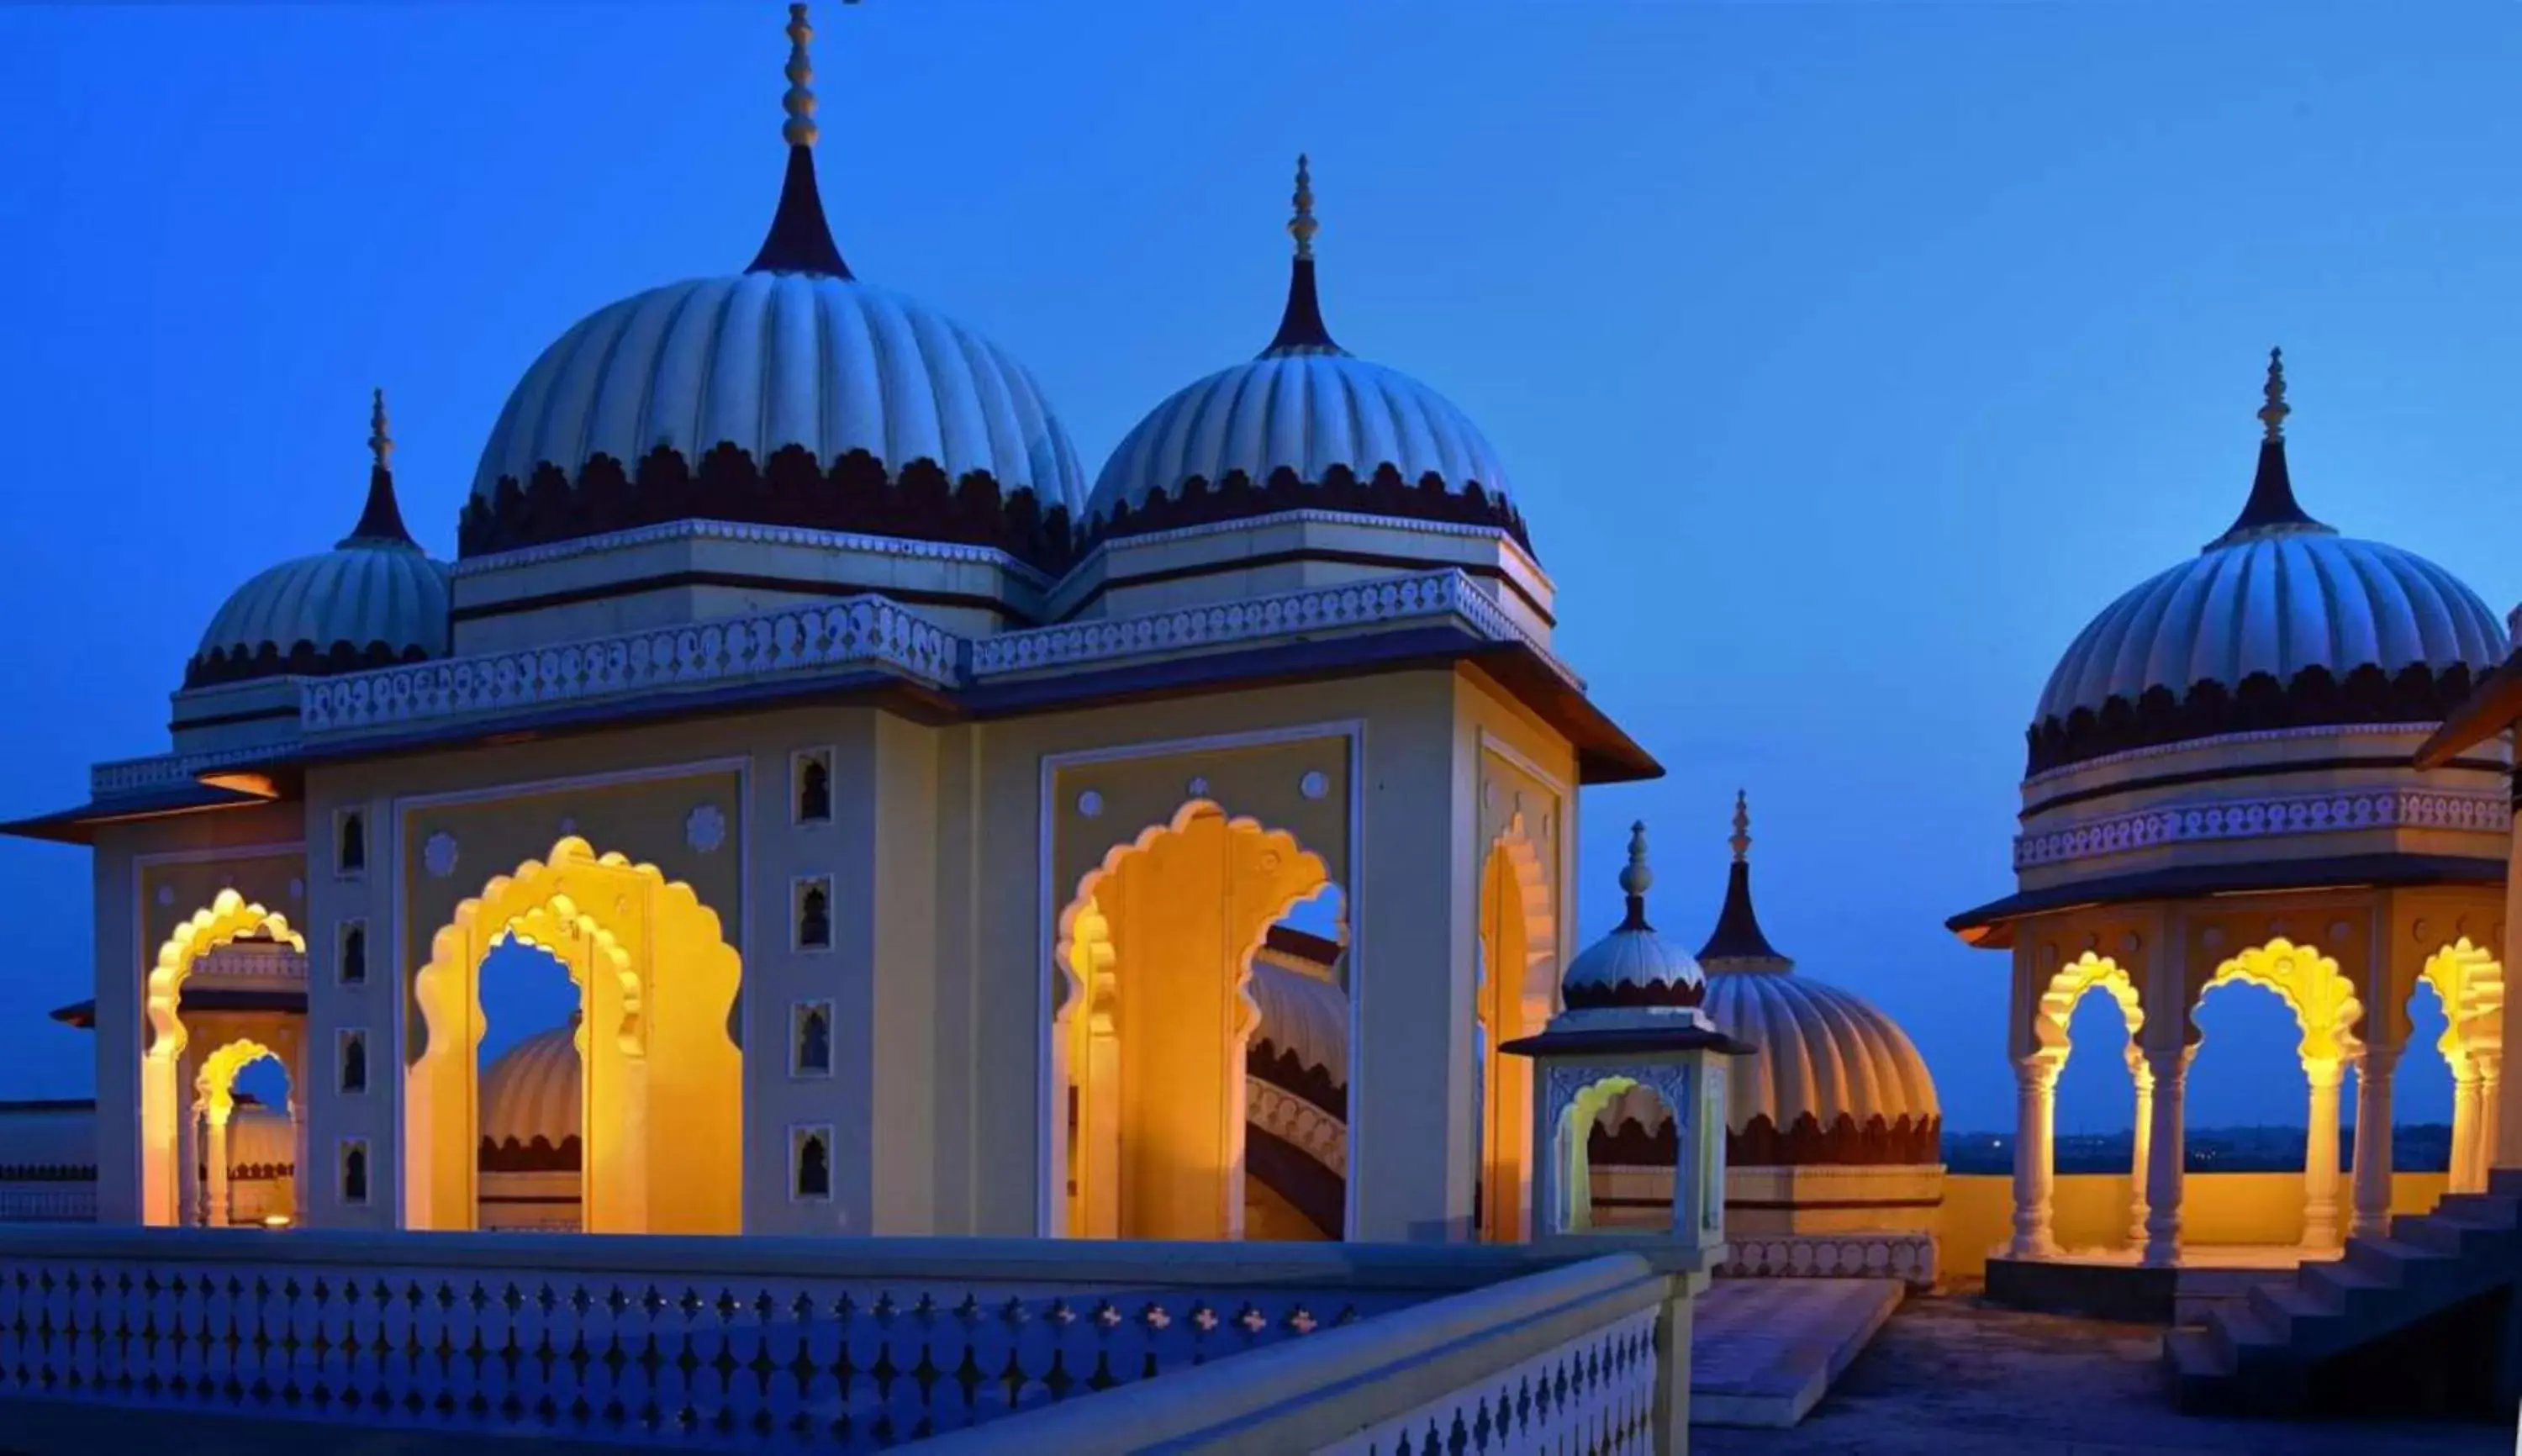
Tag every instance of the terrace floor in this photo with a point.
(1950, 1376)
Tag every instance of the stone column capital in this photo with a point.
(2325, 1072)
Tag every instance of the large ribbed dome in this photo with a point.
(532, 1092)
(789, 394)
(1833, 1080)
(1302, 1016)
(2280, 622)
(374, 599)
(1305, 424)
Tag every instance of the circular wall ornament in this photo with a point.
(437, 855)
(298, 889)
(165, 895)
(1090, 804)
(1198, 788)
(1314, 784)
(568, 825)
(704, 828)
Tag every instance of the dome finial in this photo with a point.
(799, 129)
(1302, 226)
(800, 241)
(380, 443)
(381, 519)
(2273, 414)
(1300, 325)
(1636, 878)
(1742, 840)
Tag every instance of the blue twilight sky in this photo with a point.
(1846, 358)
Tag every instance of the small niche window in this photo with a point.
(352, 1061)
(814, 913)
(355, 1172)
(351, 842)
(810, 1164)
(810, 777)
(352, 965)
(810, 1039)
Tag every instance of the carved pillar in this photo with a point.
(296, 1158)
(2143, 1077)
(2465, 1109)
(215, 1211)
(2320, 1155)
(188, 1166)
(2036, 1081)
(2375, 1069)
(2163, 1177)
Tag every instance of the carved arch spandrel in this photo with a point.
(2326, 1009)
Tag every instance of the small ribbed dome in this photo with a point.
(374, 599)
(532, 1091)
(1306, 406)
(1633, 967)
(1833, 1079)
(1303, 1015)
(2339, 631)
(854, 409)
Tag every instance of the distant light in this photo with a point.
(275, 1220)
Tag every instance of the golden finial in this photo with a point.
(799, 128)
(1742, 840)
(2273, 413)
(1302, 226)
(380, 443)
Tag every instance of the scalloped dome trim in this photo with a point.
(360, 605)
(1825, 1055)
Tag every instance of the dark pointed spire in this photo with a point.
(2271, 508)
(1737, 943)
(381, 521)
(800, 240)
(1300, 327)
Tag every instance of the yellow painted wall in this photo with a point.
(2090, 1210)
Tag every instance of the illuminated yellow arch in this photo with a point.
(229, 917)
(2323, 1001)
(2067, 988)
(1519, 932)
(2469, 984)
(1085, 1051)
(1574, 1138)
(217, 1082)
(666, 1088)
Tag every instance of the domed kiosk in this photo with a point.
(2221, 789)
(1834, 1165)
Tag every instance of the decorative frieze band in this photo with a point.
(866, 632)
(2252, 818)
(1291, 1118)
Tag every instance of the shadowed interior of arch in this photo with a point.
(1199, 1037)
(534, 1092)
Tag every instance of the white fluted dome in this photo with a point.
(1303, 1015)
(374, 599)
(768, 359)
(2276, 604)
(1824, 1053)
(532, 1092)
(1303, 411)
(2279, 623)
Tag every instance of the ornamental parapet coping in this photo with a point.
(2251, 819)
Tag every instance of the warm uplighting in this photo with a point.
(275, 1220)
(258, 785)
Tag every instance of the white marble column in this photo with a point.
(296, 1161)
(215, 1188)
(2036, 1081)
(2320, 1155)
(2163, 1178)
(2375, 1069)
(2143, 1078)
(2465, 1125)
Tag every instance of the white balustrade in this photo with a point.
(706, 1343)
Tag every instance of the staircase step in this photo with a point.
(2443, 1237)
(2351, 1286)
(2200, 1375)
(2409, 1249)
(2487, 1211)
(2239, 1332)
(2291, 1304)
(2505, 1183)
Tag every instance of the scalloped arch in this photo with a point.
(228, 917)
(2323, 1001)
(2069, 987)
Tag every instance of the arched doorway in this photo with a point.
(164, 1104)
(2468, 984)
(1641, 1185)
(2324, 1013)
(1154, 1020)
(249, 1163)
(1518, 982)
(664, 1083)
